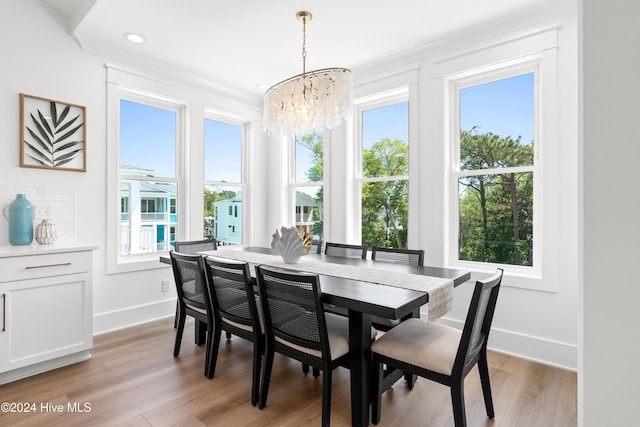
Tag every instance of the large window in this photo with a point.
(223, 182)
(384, 172)
(308, 190)
(148, 179)
(495, 167)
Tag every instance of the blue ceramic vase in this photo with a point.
(20, 221)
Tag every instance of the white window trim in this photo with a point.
(362, 104)
(244, 165)
(507, 56)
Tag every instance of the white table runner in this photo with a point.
(440, 290)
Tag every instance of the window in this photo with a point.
(223, 181)
(383, 176)
(149, 132)
(495, 167)
(307, 188)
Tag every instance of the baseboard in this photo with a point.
(536, 349)
(131, 316)
(47, 365)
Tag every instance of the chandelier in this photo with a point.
(311, 100)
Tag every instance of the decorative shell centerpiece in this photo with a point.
(291, 244)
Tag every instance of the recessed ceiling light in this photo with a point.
(134, 38)
(263, 86)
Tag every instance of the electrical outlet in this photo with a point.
(43, 212)
(165, 285)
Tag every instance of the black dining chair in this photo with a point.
(192, 247)
(193, 299)
(344, 250)
(235, 311)
(441, 353)
(398, 256)
(296, 326)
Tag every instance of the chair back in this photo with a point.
(316, 247)
(402, 256)
(191, 282)
(292, 308)
(232, 295)
(478, 322)
(346, 251)
(193, 246)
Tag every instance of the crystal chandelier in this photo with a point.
(311, 100)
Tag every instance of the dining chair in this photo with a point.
(343, 250)
(398, 255)
(233, 301)
(316, 247)
(193, 298)
(441, 353)
(296, 326)
(192, 247)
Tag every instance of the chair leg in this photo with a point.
(457, 400)
(175, 319)
(483, 369)
(305, 368)
(316, 372)
(255, 374)
(228, 335)
(326, 397)
(179, 330)
(410, 379)
(211, 357)
(266, 377)
(376, 395)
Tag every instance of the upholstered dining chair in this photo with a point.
(344, 250)
(234, 310)
(192, 247)
(297, 327)
(398, 255)
(442, 353)
(193, 298)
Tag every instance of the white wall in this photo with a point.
(608, 380)
(48, 63)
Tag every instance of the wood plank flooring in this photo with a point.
(133, 380)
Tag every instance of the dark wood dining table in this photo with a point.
(364, 300)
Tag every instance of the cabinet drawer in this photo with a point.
(46, 265)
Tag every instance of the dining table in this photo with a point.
(365, 288)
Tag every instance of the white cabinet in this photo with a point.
(45, 309)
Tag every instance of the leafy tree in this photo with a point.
(496, 210)
(385, 203)
(314, 142)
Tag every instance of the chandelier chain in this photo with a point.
(304, 45)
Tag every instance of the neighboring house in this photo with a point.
(148, 213)
(306, 212)
(227, 221)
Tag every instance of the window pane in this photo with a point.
(223, 214)
(385, 138)
(496, 218)
(308, 164)
(147, 140)
(384, 213)
(309, 210)
(222, 152)
(497, 123)
(147, 221)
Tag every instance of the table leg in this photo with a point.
(360, 346)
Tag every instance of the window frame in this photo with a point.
(455, 84)
(371, 102)
(242, 185)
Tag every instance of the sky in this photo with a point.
(147, 134)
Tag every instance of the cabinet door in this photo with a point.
(44, 319)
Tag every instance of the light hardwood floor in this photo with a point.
(134, 380)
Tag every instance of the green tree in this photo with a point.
(385, 203)
(314, 142)
(496, 210)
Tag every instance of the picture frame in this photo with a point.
(53, 134)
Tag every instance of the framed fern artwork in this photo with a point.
(53, 134)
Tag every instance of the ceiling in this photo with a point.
(236, 45)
